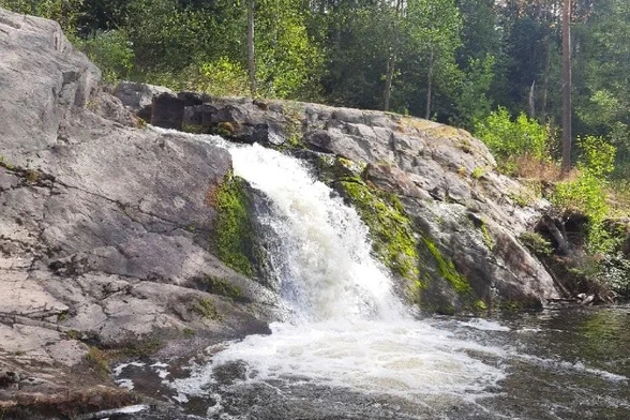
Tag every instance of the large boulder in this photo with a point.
(105, 229)
(466, 216)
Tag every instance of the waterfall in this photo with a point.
(346, 328)
(326, 270)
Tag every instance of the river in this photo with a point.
(349, 348)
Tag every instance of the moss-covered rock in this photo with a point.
(393, 239)
(447, 269)
(206, 309)
(233, 228)
(219, 286)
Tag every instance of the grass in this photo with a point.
(618, 198)
(221, 287)
(206, 309)
(98, 361)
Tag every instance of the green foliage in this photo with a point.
(601, 77)
(233, 230)
(287, 61)
(598, 156)
(508, 138)
(587, 194)
(206, 309)
(66, 12)
(481, 53)
(473, 103)
(222, 77)
(111, 51)
(615, 269)
(536, 243)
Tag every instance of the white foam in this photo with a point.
(125, 383)
(406, 358)
(485, 325)
(327, 269)
(575, 366)
(349, 329)
(119, 369)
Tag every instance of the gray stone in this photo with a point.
(105, 227)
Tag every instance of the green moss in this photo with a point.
(206, 308)
(194, 128)
(98, 361)
(478, 172)
(74, 334)
(221, 287)
(5, 164)
(447, 269)
(233, 230)
(142, 348)
(393, 239)
(480, 306)
(488, 240)
(225, 129)
(189, 332)
(521, 200)
(32, 175)
(511, 306)
(536, 243)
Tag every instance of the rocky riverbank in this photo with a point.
(118, 241)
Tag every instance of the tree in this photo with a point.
(396, 22)
(600, 74)
(566, 87)
(251, 52)
(434, 27)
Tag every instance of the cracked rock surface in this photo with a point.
(104, 226)
(446, 180)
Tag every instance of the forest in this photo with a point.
(493, 67)
(341, 209)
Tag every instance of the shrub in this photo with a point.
(222, 77)
(111, 51)
(536, 243)
(586, 193)
(508, 139)
(66, 12)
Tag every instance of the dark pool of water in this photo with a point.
(563, 363)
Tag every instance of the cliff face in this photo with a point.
(104, 227)
(107, 228)
(441, 217)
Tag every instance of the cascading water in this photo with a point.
(326, 270)
(347, 327)
(350, 349)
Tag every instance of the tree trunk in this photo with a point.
(389, 77)
(427, 115)
(545, 88)
(251, 52)
(532, 100)
(391, 63)
(566, 87)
